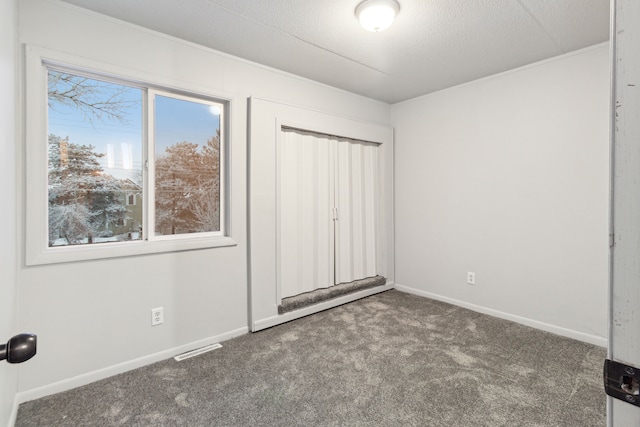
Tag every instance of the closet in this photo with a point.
(320, 204)
(326, 210)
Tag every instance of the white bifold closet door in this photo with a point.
(305, 226)
(326, 231)
(355, 200)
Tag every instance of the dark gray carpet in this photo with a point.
(392, 359)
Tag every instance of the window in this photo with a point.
(130, 167)
(186, 165)
(95, 158)
(96, 143)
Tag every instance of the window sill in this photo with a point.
(124, 249)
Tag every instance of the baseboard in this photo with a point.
(296, 314)
(14, 412)
(558, 330)
(84, 379)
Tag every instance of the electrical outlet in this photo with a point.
(471, 278)
(157, 316)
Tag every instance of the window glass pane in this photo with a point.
(94, 160)
(187, 166)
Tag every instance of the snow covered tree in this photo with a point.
(83, 201)
(188, 188)
(206, 206)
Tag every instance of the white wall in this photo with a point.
(92, 317)
(507, 177)
(8, 32)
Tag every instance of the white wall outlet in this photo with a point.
(157, 316)
(471, 278)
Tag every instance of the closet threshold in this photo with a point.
(307, 299)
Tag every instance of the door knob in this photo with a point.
(19, 349)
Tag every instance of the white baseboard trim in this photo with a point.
(14, 412)
(558, 330)
(268, 322)
(89, 377)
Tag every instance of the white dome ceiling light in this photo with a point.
(377, 15)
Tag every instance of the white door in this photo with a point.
(624, 338)
(305, 226)
(326, 211)
(356, 206)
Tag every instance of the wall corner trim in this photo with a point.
(14, 412)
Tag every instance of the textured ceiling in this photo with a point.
(432, 45)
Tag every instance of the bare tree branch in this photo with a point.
(96, 100)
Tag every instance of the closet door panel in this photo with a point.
(305, 234)
(344, 240)
(370, 202)
(355, 200)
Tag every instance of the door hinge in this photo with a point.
(622, 381)
(334, 214)
(612, 240)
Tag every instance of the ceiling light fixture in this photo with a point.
(377, 15)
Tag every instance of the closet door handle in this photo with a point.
(19, 349)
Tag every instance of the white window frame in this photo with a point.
(37, 250)
(150, 219)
